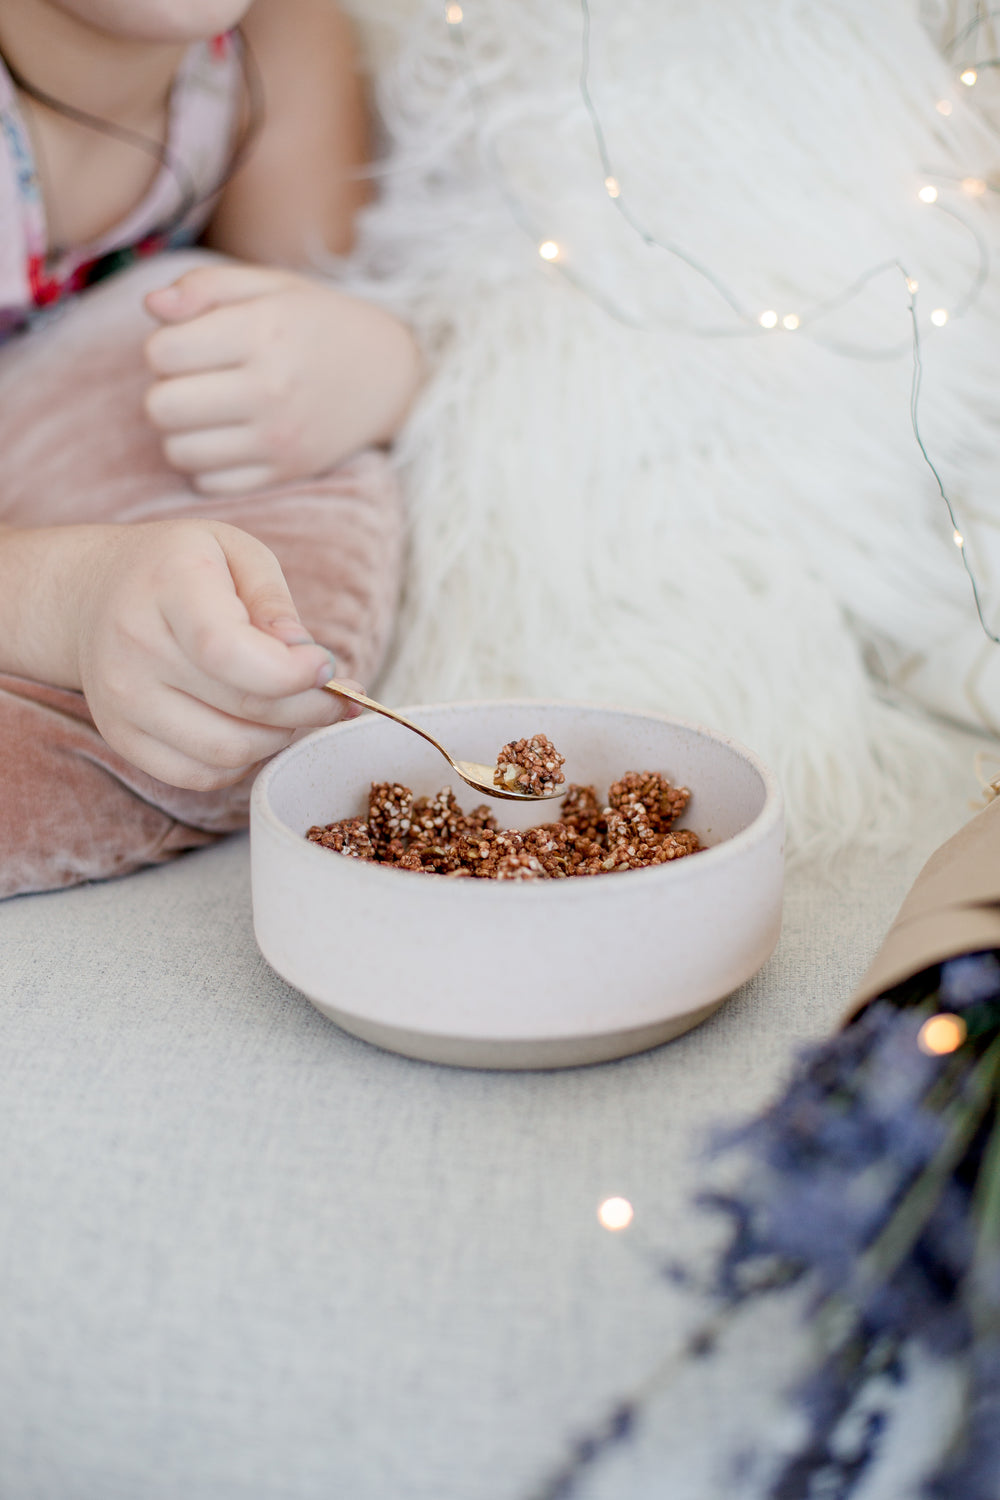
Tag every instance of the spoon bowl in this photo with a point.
(471, 772)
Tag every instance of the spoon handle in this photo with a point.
(345, 692)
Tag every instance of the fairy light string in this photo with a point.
(956, 533)
(612, 184)
(969, 73)
(769, 320)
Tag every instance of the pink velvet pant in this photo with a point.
(75, 446)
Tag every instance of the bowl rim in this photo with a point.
(758, 830)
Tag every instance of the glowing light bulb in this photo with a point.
(912, 285)
(790, 321)
(453, 15)
(549, 250)
(928, 194)
(943, 106)
(942, 1034)
(974, 186)
(615, 1213)
(939, 317)
(768, 319)
(958, 539)
(969, 77)
(612, 186)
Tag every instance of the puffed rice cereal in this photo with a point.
(533, 766)
(433, 835)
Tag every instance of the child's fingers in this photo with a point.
(257, 578)
(349, 710)
(239, 680)
(197, 747)
(211, 286)
(216, 399)
(227, 664)
(218, 339)
(213, 448)
(306, 710)
(234, 481)
(171, 717)
(208, 734)
(311, 709)
(219, 614)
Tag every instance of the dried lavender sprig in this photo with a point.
(865, 1097)
(856, 1341)
(829, 1395)
(856, 1129)
(962, 1119)
(619, 1423)
(972, 1472)
(971, 1468)
(834, 1153)
(987, 1210)
(613, 1430)
(934, 1211)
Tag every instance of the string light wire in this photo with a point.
(918, 369)
(759, 324)
(618, 198)
(979, 19)
(455, 18)
(801, 320)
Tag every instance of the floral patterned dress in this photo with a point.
(203, 122)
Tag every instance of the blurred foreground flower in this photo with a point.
(870, 1190)
(872, 1186)
(877, 1176)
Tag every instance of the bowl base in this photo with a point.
(520, 1054)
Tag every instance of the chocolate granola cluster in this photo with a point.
(433, 834)
(533, 766)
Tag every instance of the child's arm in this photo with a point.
(182, 635)
(265, 375)
(304, 179)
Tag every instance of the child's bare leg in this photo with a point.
(78, 448)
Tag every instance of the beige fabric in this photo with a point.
(77, 447)
(952, 907)
(245, 1256)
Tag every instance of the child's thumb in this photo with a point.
(290, 630)
(260, 585)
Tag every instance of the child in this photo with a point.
(190, 447)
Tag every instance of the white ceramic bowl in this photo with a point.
(510, 974)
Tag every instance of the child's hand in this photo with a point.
(190, 651)
(265, 375)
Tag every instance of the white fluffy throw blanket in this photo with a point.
(622, 492)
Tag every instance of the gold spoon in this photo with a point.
(481, 777)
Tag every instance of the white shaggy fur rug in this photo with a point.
(620, 491)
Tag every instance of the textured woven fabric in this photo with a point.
(244, 1256)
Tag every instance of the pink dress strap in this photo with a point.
(203, 123)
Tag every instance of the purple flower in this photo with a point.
(973, 1473)
(844, 1184)
(969, 980)
(864, 1181)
